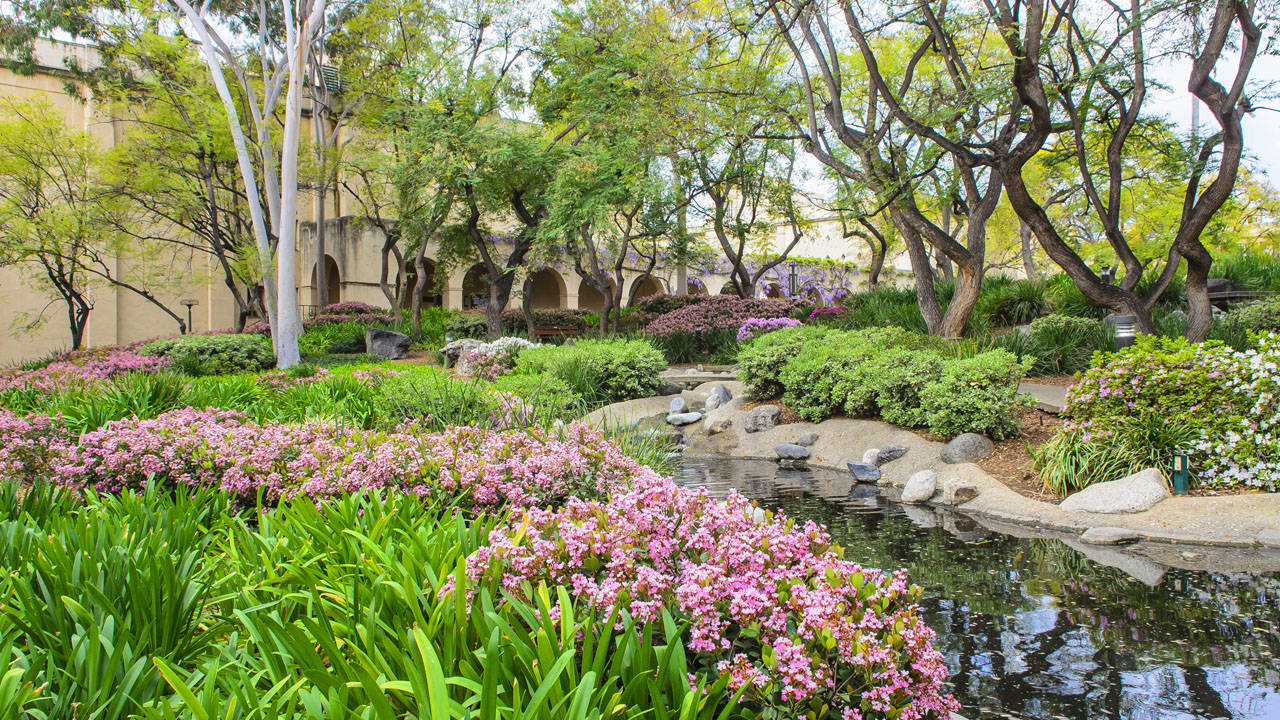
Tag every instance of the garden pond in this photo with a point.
(1030, 627)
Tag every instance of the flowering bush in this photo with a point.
(79, 368)
(225, 450)
(349, 308)
(281, 379)
(828, 313)
(772, 605)
(371, 318)
(718, 313)
(1160, 395)
(493, 360)
(755, 327)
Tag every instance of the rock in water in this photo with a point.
(678, 405)
(957, 492)
(791, 451)
(920, 487)
(864, 472)
(761, 418)
(1131, 494)
(387, 344)
(688, 418)
(967, 448)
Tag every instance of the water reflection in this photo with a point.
(1031, 628)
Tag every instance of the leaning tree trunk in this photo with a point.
(922, 269)
(1028, 251)
(968, 285)
(526, 309)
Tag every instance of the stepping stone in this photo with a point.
(1109, 536)
(1269, 539)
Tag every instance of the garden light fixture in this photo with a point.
(1181, 471)
(189, 303)
(1126, 329)
(792, 280)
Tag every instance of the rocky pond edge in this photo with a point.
(1222, 533)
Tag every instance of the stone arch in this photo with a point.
(589, 298)
(645, 288)
(475, 287)
(332, 281)
(547, 289)
(431, 296)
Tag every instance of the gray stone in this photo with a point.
(678, 405)
(1131, 494)
(957, 492)
(920, 487)
(761, 418)
(889, 453)
(719, 396)
(864, 472)
(1269, 539)
(807, 439)
(719, 425)
(1109, 536)
(387, 344)
(791, 451)
(454, 351)
(871, 456)
(679, 419)
(669, 388)
(967, 448)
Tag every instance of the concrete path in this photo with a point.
(1049, 398)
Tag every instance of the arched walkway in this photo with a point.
(547, 290)
(475, 287)
(431, 296)
(589, 298)
(645, 288)
(332, 282)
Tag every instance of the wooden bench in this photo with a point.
(550, 332)
(1222, 298)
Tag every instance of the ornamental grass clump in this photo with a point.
(771, 605)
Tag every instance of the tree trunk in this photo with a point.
(1025, 236)
(526, 309)
(322, 269)
(419, 283)
(968, 287)
(922, 269)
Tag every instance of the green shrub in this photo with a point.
(817, 378)
(761, 360)
(198, 355)
(599, 371)
(1261, 317)
(338, 338)
(1014, 302)
(141, 395)
(899, 376)
(1066, 299)
(1249, 269)
(978, 394)
(1064, 345)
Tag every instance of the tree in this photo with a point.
(56, 217)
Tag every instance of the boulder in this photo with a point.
(920, 487)
(889, 453)
(680, 419)
(719, 396)
(387, 344)
(864, 472)
(957, 492)
(967, 448)
(668, 387)
(454, 351)
(807, 439)
(791, 451)
(761, 418)
(1216, 285)
(678, 405)
(1109, 536)
(1131, 494)
(871, 456)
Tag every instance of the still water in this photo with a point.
(1031, 628)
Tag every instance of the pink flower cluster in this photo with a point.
(485, 362)
(349, 308)
(282, 380)
(374, 318)
(771, 604)
(755, 327)
(78, 368)
(718, 313)
(223, 449)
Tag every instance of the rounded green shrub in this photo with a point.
(977, 394)
(600, 371)
(198, 355)
(760, 361)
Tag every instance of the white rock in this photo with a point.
(871, 456)
(920, 487)
(1109, 536)
(1135, 493)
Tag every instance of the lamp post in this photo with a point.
(189, 303)
(1181, 471)
(792, 282)
(1126, 327)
